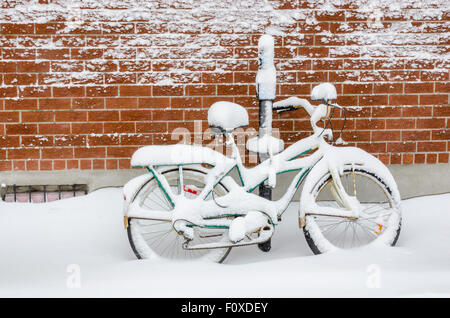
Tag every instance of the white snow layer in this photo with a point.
(175, 154)
(42, 244)
(266, 78)
(266, 144)
(324, 91)
(227, 116)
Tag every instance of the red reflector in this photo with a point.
(189, 190)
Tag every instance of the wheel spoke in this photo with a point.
(349, 233)
(158, 235)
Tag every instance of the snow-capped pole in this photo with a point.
(265, 89)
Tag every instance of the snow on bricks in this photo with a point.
(131, 72)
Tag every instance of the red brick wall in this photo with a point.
(83, 87)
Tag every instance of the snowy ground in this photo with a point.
(39, 242)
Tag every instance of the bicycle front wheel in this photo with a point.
(380, 214)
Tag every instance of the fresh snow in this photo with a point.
(324, 91)
(227, 115)
(44, 244)
(266, 145)
(266, 78)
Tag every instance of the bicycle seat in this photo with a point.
(227, 116)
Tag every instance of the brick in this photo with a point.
(232, 89)
(369, 100)
(386, 112)
(441, 111)
(400, 123)
(9, 117)
(431, 158)
(120, 152)
(385, 135)
(88, 103)
(85, 164)
(70, 115)
(135, 90)
(33, 67)
(154, 102)
(119, 127)
(434, 100)
(419, 158)
(103, 140)
(135, 115)
(10, 141)
(403, 99)
(59, 164)
(86, 128)
(86, 54)
(442, 87)
(74, 91)
(20, 79)
(37, 116)
(387, 88)
(136, 139)
(295, 89)
(430, 123)
(8, 67)
(54, 129)
(407, 158)
(117, 103)
(419, 88)
(165, 90)
(217, 78)
(70, 140)
(186, 102)
(93, 152)
(414, 135)
(431, 146)
(443, 158)
(23, 153)
(396, 159)
(8, 92)
(441, 134)
(401, 147)
(417, 111)
(72, 164)
(19, 54)
(102, 91)
(170, 114)
(107, 115)
(202, 90)
(53, 54)
(34, 91)
(370, 123)
(21, 129)
(358, 88)
(57, 153)
(17, 28)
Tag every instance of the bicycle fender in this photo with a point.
(333, 161)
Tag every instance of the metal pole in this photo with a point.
(266, 88)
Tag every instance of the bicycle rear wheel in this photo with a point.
(157, 238)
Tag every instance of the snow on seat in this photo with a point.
(265, 144)
(227, 116)
(160, 155)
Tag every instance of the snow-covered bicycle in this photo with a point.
(189, 207)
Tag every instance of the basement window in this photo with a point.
(41, 193)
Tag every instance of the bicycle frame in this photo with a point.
(240, 199)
